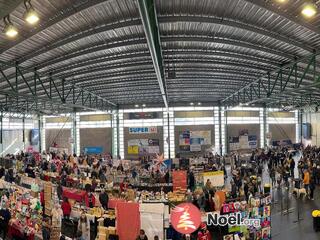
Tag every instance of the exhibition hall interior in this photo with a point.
(159, 119)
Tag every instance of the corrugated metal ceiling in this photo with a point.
(213, 46)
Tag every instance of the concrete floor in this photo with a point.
(287, 226)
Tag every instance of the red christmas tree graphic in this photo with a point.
(185, 218)
(185, 221)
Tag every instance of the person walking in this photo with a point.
(292, 166)
(312, 187)
(273, 176)
(5, 217)
(306, 180)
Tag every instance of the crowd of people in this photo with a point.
(285, 167)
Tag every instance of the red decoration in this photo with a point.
(179, 180)
(185, 218)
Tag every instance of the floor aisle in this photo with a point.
(286, 226)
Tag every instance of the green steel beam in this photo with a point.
(151, 28)
(279, 83)
(65, 95)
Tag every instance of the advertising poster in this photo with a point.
(153, 142)
(186, 134)
(234, 143)
(179, 180)
(184, 148)
(143, 147)
(196, 141)
(193, 140)
(154, 149)
(133, 149)
(243, 142)
(143, 115)
(93, 150)
(182, 141)
(253, 143)
(195, 148)
(205, 136)
(142, 130)
(138, 142)
(216, 178)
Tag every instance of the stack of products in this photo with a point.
(105, 232)
(256, 209)
(48, 198)
(176, 196)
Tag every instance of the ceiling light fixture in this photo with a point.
(144, 105)
(309, 10)
(191, 103)
(199, 103)
(136, 105)
(31, 16)
(9, 29)
(282, 1)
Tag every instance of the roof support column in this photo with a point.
(115, 123)
(75, 134)
(1, 133)
(40, 129)
(23, 132)
(220, 129)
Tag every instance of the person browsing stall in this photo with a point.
(66, 208)
(89, 200)
(142, 235)
(104, 199)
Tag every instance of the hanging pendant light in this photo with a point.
(30, 16)
(9, 29)
(281, 1)
(309, 10)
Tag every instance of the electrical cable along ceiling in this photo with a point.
(97, 54)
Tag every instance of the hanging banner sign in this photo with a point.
(143, 115)
(179, 180)
(216, 178)
(142, 130)
(93, 150)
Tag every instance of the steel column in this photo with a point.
(264, 117)
(168, 139)
(23, 132)
(220, 129)
(74, 132)
(118, 134)
(300, 123)
(1, 132)
(40, 132)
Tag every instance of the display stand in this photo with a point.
(48, 198)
